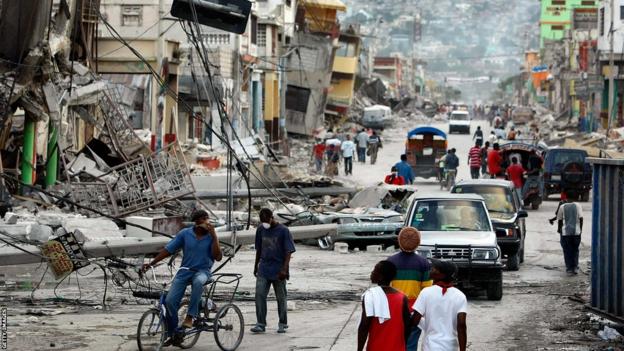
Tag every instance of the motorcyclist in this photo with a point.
(534, 173)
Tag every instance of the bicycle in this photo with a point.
(226, 323)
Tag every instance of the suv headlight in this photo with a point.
(426, 253)
(484, 254)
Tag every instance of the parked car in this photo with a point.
(457, 227)
(506, 212)
(459, 121)
(567, 169)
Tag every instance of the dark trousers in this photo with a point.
(361, 154)
(570, 245)
(262, 292)
(474, 172)
(348, 161)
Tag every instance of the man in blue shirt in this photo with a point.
(200, 246)
(274, 246)
(405, 170)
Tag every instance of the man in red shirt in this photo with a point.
(515, 173)
(494, 162)
(317, 154)
(474, 160)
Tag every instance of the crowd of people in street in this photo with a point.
(329, 152)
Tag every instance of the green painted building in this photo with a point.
(557, 15)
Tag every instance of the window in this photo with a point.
(588, 3)
(558, 2)
(131, 15)
(297, 98)
(602, 21)
(557, 27)
(450, 216)
(346, 49)
(262, 35)
(497, 199)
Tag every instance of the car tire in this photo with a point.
(513, 261)
(495, 288)
(522, 252)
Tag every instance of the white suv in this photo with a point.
(459, 121)
(457, 227)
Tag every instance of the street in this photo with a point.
(534, 313)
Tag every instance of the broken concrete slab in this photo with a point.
(40, 233)
(92, 229)
(10, 218)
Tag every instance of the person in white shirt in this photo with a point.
(348, 149)
(570, 227)
(443, 309)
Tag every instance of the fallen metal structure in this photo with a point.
(149, 246)
(287, 192)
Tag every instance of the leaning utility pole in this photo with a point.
(611, 68)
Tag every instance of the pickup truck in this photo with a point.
(567, 169)
(457, 227)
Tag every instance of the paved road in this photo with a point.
(324, 284)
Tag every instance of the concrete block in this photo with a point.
(19, 230)
(10, 218)
(40, 233)
(390, 249)
(92, 229)
(53, 218)
(342, 248)
(374, 248)
(291, 305)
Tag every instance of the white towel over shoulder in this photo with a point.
(376, 304)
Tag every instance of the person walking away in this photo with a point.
(362, 143)
(484, 157)
(405, 170)
(474, 160)
(511, 136)
(494, 161)
(478, 136)
(493, 138)
(348, 150)
(384, 324)
(318, 152)
(452, 162)
(515, 172)
(374, 144)
(394, 178)
(443, 310)
(274, 247)
(332, 161)
(412, 274)
(200, 246)
(570, 227)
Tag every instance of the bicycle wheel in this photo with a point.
(191, 339)
(151, 331)
(229, 327)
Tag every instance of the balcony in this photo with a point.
(347, 65)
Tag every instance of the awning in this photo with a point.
(327, 4)
(426, 130)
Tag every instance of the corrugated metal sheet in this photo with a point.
(607, 274)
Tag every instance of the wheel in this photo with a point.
(495, 289)
(229, 327)
(151, 331)
(585, 196)
(325, 243)
(513, 261)
(191, 339)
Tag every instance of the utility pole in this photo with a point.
(611, 68)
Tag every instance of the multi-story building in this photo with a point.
(344, 72)
(309, 64)
(390, 70)
(148, 26)
(604, 55)
(556, 16)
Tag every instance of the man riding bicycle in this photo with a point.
(200, 247)
(452, 162)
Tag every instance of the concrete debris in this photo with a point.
(92, 229)
(609, 334)
(10, 218)
(39, 233)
